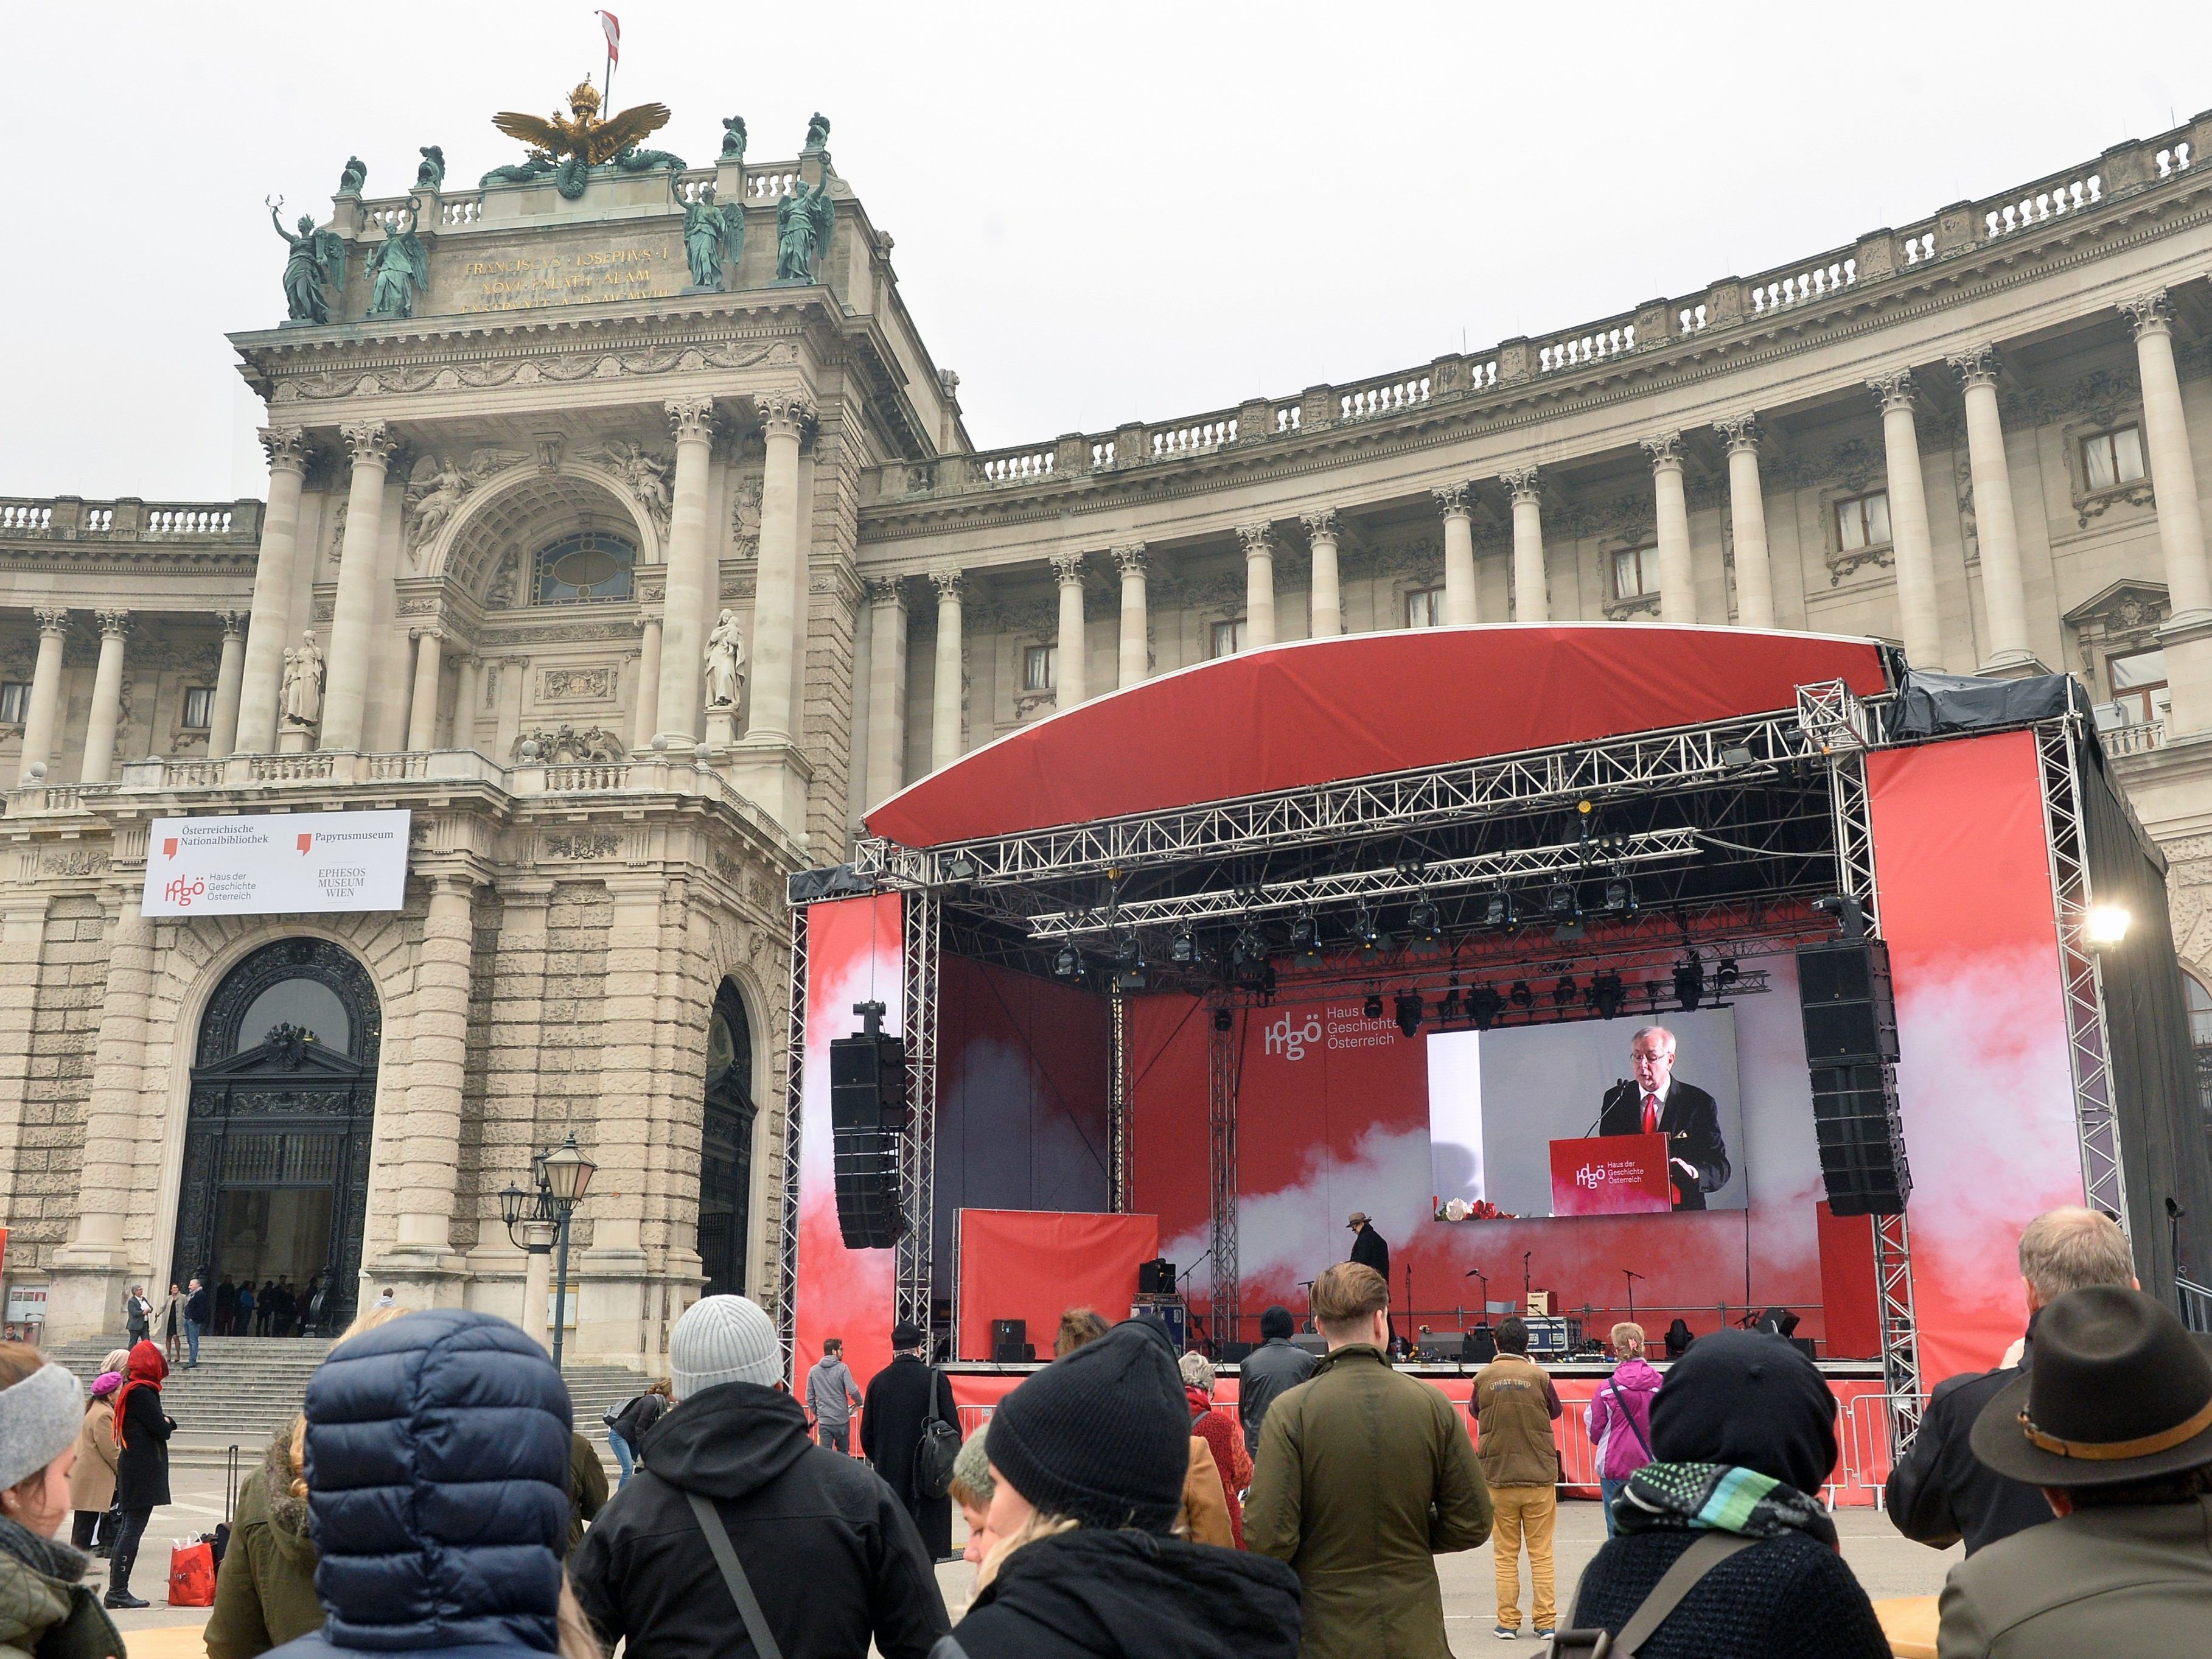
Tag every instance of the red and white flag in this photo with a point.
(612, 25)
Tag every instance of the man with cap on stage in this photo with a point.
(1371, 1249)
(902, 1397)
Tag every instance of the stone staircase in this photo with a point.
(245, 1387)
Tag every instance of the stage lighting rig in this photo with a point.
(1448, 1010)
(1409, 1009)
(1560, 905)
(1183, 949)
(1372, 1008)
(1498, 910)
(1068, 963)
(1225, 1019)
(960, 867)
(1563, 993)
(1248, 961)
(1620, 895)
(1689, 981)
(1483, 1005)
(1372, 940)
(1607, 993)
(1128, 964)
(1725, 975)
(1425, 926)
(1521, 996)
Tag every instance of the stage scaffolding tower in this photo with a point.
(1222, 1071)
(918, 997)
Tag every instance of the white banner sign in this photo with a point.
(275, 863)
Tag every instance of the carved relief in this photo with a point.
(568, 745)
(583, 844)
(593, 685)
(346, 383)
(745, 516)
(77, 861)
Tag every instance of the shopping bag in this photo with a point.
(192, 1574)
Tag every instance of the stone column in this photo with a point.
(1068, 687)
(537, 1280)
(261, 689)
(107, 697)
(778, 588)
(1532, 600)
(468, 694)
(422, 707)
(1912, 545)
(352, 617)
(886, 756)
(1136, 650)
(946, 701)
(40, 718)
(2186, 638)
(1678, 576)
(1754, 575)
(683, 616)
(511, 671)
(1259, 585)
(229, 674)
(1327, 591)
(2004, 591)
(1459, 554)
(430, 1154)
(647, 716)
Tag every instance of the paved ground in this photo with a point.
(1887, 1564)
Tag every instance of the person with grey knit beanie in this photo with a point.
(829, 1551)
(45, 1606)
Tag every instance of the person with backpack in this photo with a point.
(1620, 1416)
(902, 1400)
(740, 1516)
(626, 1425)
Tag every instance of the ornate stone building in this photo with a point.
(529, 438)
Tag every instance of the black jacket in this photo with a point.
(1371, 1249)
(1940, 1491)
(1690, 1120)
(830, 1553)
(900, 1399)
(635, 1420)
(1790, 1595)
(142, 1462)
(1089, 1595)
(196, 1307)
(1264, 1372)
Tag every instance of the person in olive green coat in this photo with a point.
(264, 1594)
(588, 1488)
(1363, 1478)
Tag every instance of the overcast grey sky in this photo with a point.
(1102, 212)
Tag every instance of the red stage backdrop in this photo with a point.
(1963, 864)
(1030, 1264)
(852, 954)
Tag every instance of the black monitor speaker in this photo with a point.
(1234, 1354)
(1009, 1340)
(1849, 1014)
(1477, 1346)
(868, 1082)
(869, 1214)
(1156, 1276)
(1860, 1141)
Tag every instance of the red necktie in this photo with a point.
(1650, 1114)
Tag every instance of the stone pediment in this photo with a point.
(2128, 606)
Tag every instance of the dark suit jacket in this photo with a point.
(1940, 1491)
(1691, 1123)
(1369, 1250)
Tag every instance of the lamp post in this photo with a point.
(560, 1178)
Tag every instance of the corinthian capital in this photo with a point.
(1451, 500)
(1739, 432)
(1320, 522)
(1976, 365)
(885, 590)
(54, 623)
(1893, 391)
(1068, 568)
(113, 625)
(1258, 540)
(786, 411)
(691, 417)
(1523, 484)
(2150, 314)
(369, 442)
(1665, 450)
(233, 623)
(1129, 559)
(286, 447)
(948, 586)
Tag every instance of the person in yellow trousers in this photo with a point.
(1515, 1406)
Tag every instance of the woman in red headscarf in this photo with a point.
(142, 1464)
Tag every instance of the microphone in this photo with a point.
(1610, 1096)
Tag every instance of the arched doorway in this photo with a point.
(276, 1142)
(726, 1151)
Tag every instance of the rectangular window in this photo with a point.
(200, 707)
(14, 703)
(1228, 638)
(2112, 458)
(1037, 668)
(1636, 571)
(2138, 682)
(1863, 521)
(1425, 607)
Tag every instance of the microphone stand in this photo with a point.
(1476, 1273)
(1632, 1277)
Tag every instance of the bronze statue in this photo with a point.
(401, 265)
(803, 222)
(713, 236)
(355, 176)
(431, 175)
(733, 138)
(582, 141)
(817, 134)
(317, 261)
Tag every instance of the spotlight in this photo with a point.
(1498, 910)
(1127, 952)
(1305, 937)
(1620, 895)
(1372, 1008)
(1561, 904)
(1777, 1321)
(960, 867)
(1129, 979)
(1409, 1011)
(1423, 922)
(1737, 755)
(1563, 993)
(1607, 993)
(1183, 950)
(1521, 995)
(1483, 1005)
(1069, 964)
(1448, 1010)
(1248, 959)
(2106, 927)
(1725, 975)
(1689, 981)
(1224, 1020)
(1371, 939)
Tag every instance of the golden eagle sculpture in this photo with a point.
(568, 147)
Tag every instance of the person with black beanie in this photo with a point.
(1275, 1367)
(1743, 1433)
(1088, 1457)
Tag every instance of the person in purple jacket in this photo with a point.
(1620, 1416)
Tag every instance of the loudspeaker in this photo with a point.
(869, 1214)
(1156, 1276)
(1311, 1342)
(1234, 1354)
(1477, 1346)
(1008, 1338)
(1803, 1345)
(1849, 1014)
(1862, 1144)
(868, 1082)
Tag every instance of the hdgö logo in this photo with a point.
(1590, 1177)
(183, 889)
(1289, 1039)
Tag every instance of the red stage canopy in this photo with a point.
(1361, 705)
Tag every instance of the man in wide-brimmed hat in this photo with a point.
(2114, 1423)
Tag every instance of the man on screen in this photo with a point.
(1656, 1102)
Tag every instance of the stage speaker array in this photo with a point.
(867, 1124)
(1851, 1043)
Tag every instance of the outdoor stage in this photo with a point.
(1199, 967)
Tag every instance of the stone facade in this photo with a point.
(510, 521)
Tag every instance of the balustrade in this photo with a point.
(1781, 293)
(1692, 319)
(580, 780)
(2044, 203)
(2172, 160)
(1194, 437)
(1101, 454)
(1578, 351)
(1364, 403)
(99, 518)
(1919, 248)
(463, 211)
(771, 183)
(25, 515)
(188, 521)
(1024, 466)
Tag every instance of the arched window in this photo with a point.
(578, 569)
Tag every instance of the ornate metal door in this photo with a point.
(726, 1152)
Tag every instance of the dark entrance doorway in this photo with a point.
(277, 1145)
(726, 1154)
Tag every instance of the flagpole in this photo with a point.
(610, 81)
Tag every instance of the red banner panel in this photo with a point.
(1032, 1264)
(1611, 1175)
(1849, 1293)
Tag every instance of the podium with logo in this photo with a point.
(1611, 1175)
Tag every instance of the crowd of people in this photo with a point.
(433, 1495)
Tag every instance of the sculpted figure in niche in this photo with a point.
(317, 259)
(646, 474)
(303, 683)
(725, 663)
(435, 490)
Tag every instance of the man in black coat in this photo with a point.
(1657, 1101)
(1371, 1249)
(831, 1555)
(900, 1398)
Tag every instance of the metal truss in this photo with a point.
(1687, 757)
(1900, 1331)
(794, 1079)
(1221, 1162)
(918, 992)
(1832, 716)
(1854, 824)
(1485, 869)
(1117, 1108)
(2088, 1046)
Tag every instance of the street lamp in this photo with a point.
(560, 1178)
